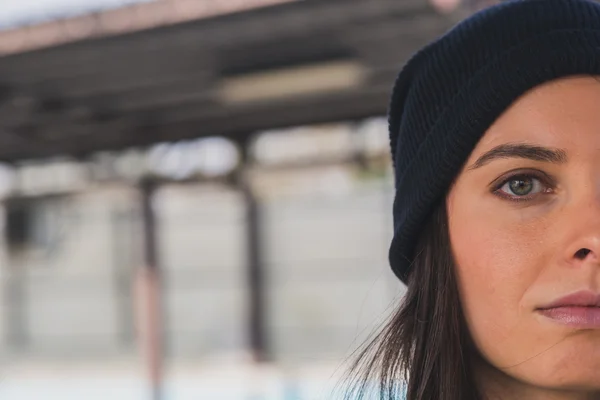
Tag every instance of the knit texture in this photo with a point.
(452, 90)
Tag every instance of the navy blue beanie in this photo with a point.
(452, 90)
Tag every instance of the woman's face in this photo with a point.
(524, 220)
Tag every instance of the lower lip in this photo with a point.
(578, 317)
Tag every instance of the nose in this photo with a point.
(584, 244)
(584, 250)
(585, 253)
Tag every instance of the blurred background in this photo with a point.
(196, 194)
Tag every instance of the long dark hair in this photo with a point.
(424, 351)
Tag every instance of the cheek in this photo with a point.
(497, 261)
(505, 257)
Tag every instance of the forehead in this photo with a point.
(564, 113)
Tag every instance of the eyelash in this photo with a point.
(544, 180)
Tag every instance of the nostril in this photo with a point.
(582, 253)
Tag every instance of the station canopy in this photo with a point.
(172, 70)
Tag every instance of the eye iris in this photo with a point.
(521, 186)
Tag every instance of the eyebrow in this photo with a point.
(521, 150)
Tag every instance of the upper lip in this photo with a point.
(584, 298)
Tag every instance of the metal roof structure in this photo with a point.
(76, 87)
(295, 63)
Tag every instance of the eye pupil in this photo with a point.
(521, 186)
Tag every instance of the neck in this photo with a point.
(497, 385)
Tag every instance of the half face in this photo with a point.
(524, 220)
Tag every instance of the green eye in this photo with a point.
(521, 187)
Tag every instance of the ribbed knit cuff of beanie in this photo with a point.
(451, 91)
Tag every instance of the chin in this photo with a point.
(571, 365)
(583, 379)
(568, 361)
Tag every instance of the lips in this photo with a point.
(583, 298)
(578, 310)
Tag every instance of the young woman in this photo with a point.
(495, 136)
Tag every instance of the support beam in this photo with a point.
(17, 235)
(149, 295)
(257, 328)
